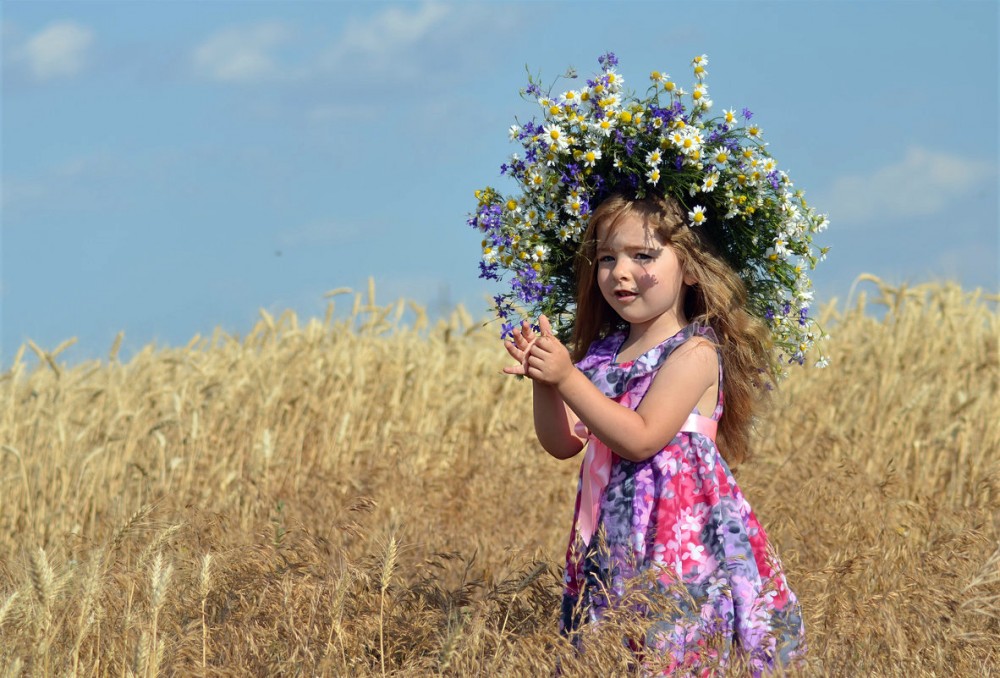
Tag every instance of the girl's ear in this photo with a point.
(689, 278)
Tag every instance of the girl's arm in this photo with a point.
(687, 374)
(554, 421)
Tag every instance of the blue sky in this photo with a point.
(170, 167)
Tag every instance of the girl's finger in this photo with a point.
(544, 325)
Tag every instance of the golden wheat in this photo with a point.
(365, 496)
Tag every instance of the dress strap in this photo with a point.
(696, 423)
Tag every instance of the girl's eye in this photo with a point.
(642, 256)
(606, 259)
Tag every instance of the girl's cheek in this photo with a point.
(648, 280)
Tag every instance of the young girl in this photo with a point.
(662, 341)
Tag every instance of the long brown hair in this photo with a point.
(717, 299)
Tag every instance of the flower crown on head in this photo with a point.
(599, 139)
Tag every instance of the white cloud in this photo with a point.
(377, 41)
(396, 43)
(242, 54)
(922, 183)
(59, 50)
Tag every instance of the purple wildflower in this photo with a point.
(488, 271)
(533, 90)
(608, 60)
(747, 114)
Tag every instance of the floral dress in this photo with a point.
(678, 525)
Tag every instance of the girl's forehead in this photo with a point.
(629, 230)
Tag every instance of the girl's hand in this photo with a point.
(548, 360)
(524, 338)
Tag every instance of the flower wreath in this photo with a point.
(600, 138)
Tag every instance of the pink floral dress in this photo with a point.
(678, 522)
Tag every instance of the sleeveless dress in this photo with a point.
(677, 523)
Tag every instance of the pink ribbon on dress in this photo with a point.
(596, 472)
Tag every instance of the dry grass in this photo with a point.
(358, 497)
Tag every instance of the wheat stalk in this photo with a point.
(87, 614)
(159, 582)
(389, 557)
(204, 587)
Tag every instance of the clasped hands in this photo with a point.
(541, 357)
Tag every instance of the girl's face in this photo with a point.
(639, 276)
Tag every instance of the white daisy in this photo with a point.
(555, 137)
(591, 156)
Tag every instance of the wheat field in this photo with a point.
(357, 495)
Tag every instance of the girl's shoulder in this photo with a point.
(694, 335)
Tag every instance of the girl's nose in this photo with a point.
(620, 271)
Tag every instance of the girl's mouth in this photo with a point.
(625, 295)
